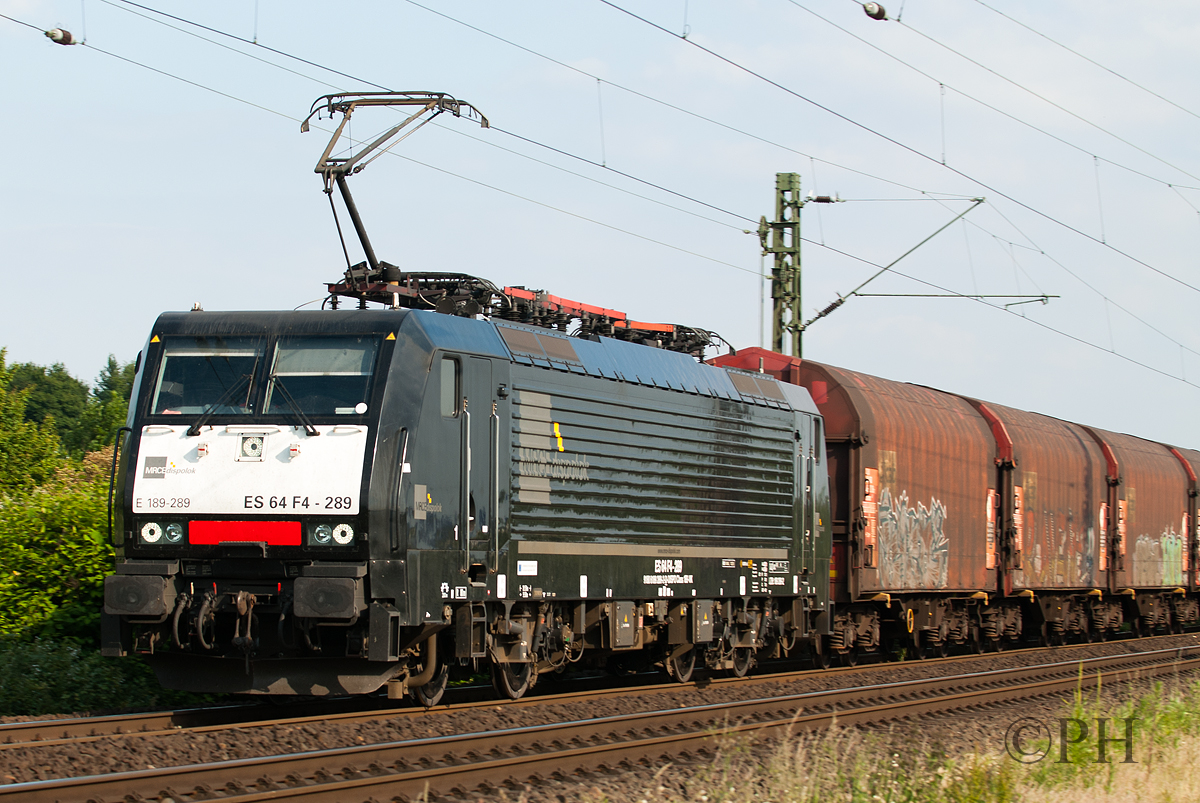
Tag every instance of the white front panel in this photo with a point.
(239, 475)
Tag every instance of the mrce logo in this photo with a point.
(157, 468)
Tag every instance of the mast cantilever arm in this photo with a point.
(432, 104)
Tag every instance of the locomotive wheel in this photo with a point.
(511, 680)
(742, 658)
(681, 667)
(431, 693)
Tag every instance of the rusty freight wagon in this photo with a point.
(957, 521)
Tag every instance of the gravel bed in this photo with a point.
(136, 753)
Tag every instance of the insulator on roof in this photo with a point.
(59, 36)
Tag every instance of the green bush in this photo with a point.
(61, 677)
(54, 555)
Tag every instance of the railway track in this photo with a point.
(459, 763)
(211, 720)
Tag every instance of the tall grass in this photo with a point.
(845, 765)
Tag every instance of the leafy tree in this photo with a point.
(54, 396)
(29, 451)
(106, 408)
(115, 380)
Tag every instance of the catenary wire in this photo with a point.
(666, 104)
(979, 101)
(121, 5)
(591, 162)
(495, 128)
(1038, 249)
(22, 22)
(903, 146)
(414, 161)
(260, 107)
(1109, 70)
(814, 243)
(530, 51)
(1050, 328)
(1045, 99)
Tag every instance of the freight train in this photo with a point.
(332, 502)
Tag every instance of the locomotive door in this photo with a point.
(811, 462)
(478, 480)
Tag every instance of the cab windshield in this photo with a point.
(322, 375)
(213, 375)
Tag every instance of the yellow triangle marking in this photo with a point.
(390, 336)
(154, 339)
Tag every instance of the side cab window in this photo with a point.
(451, 379)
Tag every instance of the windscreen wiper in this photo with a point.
(309, 429)
(211, 410)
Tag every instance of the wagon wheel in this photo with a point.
(511, 680)
(742, 658)
(850, 657)
(431, 693)
(681, 666)
(977, 639)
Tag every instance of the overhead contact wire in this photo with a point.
(477, 139)
(1088, 59)
(661, 102)
(996, 109)
(623, 231)
(902, 146)
(1045, 99)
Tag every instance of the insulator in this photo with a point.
(59, 36)
(875, 11)
(831, 307)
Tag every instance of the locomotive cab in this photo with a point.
(244, 523)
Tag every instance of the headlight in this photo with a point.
(173, 532)
(322, 534)
(152, 533)
(343, 534)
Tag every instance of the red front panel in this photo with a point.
(274, 533)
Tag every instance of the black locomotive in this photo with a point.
(327, 502)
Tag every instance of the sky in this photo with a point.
(633, 149)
